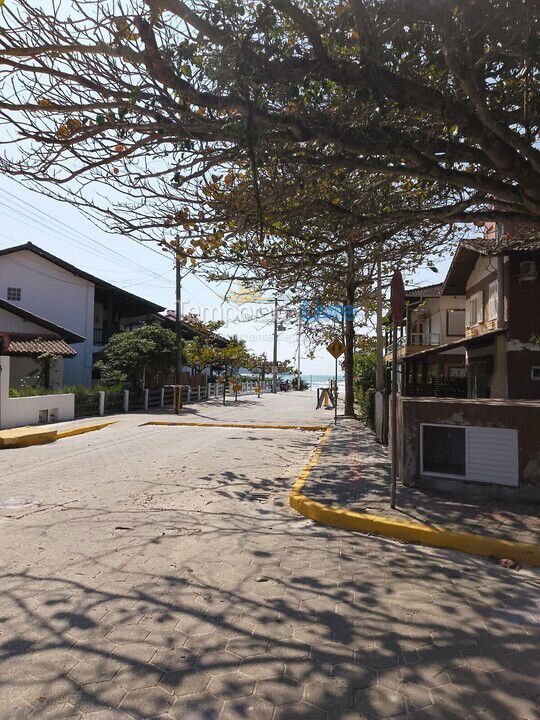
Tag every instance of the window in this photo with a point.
(475, 454)
(14, 293)
(492, 300)
(455, 323)
(443, 450)
(474, 311)
(535, 372)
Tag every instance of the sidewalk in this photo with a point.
(353, 473)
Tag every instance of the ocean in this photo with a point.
(317, 381)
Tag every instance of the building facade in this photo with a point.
(41, 283)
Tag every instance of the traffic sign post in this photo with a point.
(397, 305)
(336, 348)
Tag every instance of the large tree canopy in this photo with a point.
(131, 106)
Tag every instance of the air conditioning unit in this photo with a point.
(528, 270)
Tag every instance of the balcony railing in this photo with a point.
(440, 387)
(425, 339)
(101, 336)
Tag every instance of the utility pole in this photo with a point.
(299, 350)
(274, 362)
(178, 333)
(379, 366)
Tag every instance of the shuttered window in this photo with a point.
(492, 301)
(474, 309)
(475, 454)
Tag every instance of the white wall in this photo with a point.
(435, 309)
(484, 266)
(16, 412)
(21, 367)
(56, 295)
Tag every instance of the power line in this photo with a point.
(81, 234)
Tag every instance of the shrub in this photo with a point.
(77, 390)
(368, 407)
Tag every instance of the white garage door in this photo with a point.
(492, 455)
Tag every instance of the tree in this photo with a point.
(128, 354)
(312, 249)
(137, 102)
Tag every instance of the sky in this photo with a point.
(146, 271)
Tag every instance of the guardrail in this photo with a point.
(108, 403)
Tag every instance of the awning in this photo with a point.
(463, 342)
(32, 345)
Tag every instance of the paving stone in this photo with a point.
(299, 711)
(280, 691)
(232, 685)
(377, 702)
(148, 702)
(251, 708)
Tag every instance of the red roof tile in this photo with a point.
(23, 344)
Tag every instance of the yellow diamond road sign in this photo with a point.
(336, 348)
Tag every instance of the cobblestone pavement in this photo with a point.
(158, 572)
(354, 472)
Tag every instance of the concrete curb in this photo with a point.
(430, 535)
(26, 436)
(239, 425)
(84, 429)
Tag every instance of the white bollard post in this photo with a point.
(199, 393)
(102, 402)
(162, 397)
(126, 400)
(145, 401)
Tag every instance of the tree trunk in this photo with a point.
(348, 364)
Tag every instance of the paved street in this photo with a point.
(158, 572)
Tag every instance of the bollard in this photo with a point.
(101, 402)
(145, 398)
(198, 393)
(126, 400)
(188, 394)
(162, 397)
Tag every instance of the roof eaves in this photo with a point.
(80, 273)
(66, 334)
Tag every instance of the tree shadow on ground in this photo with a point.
(302, 623)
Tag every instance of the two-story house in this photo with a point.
(501, 282)
(49, 287)
(432, 320)
(486, 438)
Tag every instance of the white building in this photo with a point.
(43, 284)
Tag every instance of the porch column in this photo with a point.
(109, 321)
(414, 370)
(499, 379)
(424, 373)
(4, 388)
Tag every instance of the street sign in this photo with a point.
(336, 348)
(397, 295)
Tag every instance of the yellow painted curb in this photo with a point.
(26, 436)
(85, 429)
(410, 532)
(239, 425)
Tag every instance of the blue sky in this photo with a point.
(144, 270)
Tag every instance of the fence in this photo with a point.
(105, 403)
